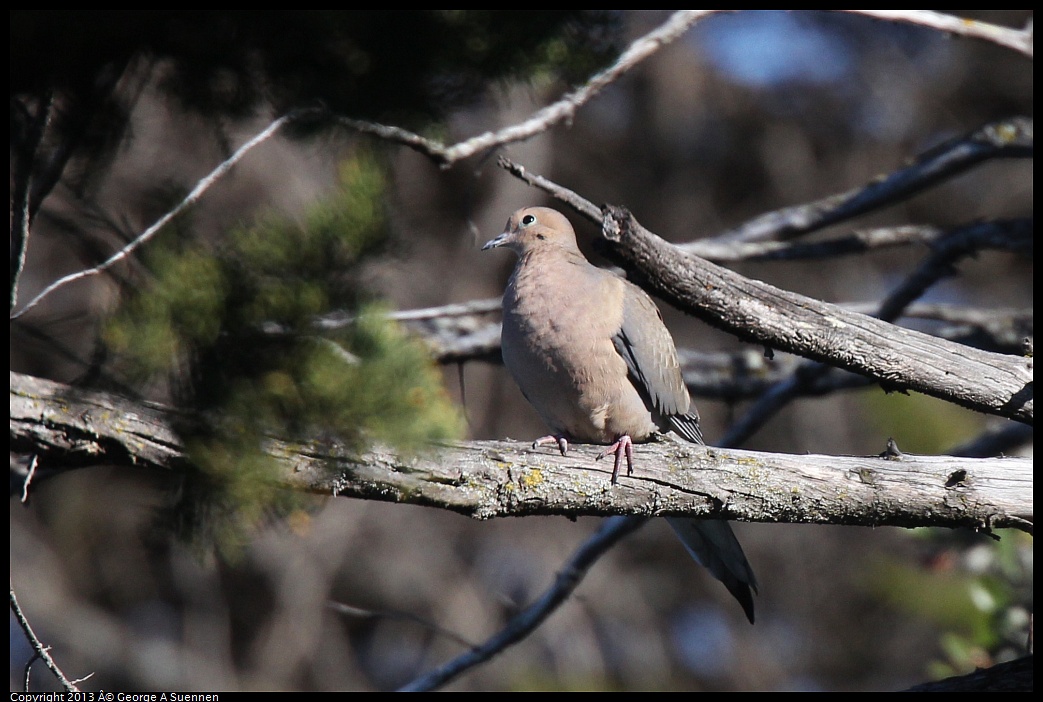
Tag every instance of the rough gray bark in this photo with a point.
(64, 427)
(901, 359)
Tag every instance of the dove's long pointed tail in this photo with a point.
(713, 544)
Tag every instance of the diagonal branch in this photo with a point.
(957, 244)
(755, 311)
(1019, 40)
(902, 359)
(1006, 139)
(526, 621)
(543, 119)
(22, 161)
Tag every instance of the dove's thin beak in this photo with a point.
(498, 241)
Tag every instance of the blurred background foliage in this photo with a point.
(748, 112)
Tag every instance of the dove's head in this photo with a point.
(534, 228)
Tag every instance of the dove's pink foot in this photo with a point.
(624, 446)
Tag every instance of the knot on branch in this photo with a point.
(615, 222)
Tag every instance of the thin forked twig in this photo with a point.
(40, 651)
(197, 192)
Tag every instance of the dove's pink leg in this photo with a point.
(563, 444)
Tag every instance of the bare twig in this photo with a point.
(43, 652)
(561, 111)
(858, 242)
(363, 613)
(1006, 139)
(1012, 235)
(526, 621)
(30, 474)
(1019, 40)
(433, 315)
(201, 187)
(22, 161)
(460, 309)
(577, 202)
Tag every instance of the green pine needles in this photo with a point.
(233, 330)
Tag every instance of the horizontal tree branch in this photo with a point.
(466, 333)
(858, 242)
(65, 427)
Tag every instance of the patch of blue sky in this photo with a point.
(765, 48)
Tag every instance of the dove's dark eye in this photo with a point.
(527, 220)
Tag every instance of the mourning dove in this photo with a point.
(591, 353)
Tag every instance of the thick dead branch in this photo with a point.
(65, 427)
(897, 357)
